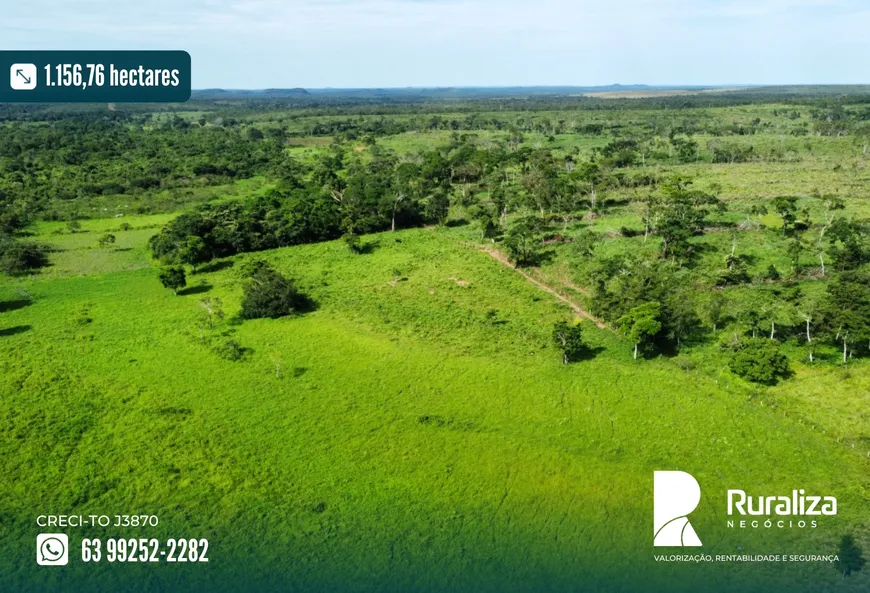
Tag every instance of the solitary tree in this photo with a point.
(849, 556)
(485, 220)
(213, 308)
(107, 239)
(569, 339)
(173, 278)
(565, 200)
(267, 293)
(641, 324)
(808, 312)
(759, 360)
(786, 208)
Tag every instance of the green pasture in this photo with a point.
(414, 432)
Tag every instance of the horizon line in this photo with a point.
(536, 86)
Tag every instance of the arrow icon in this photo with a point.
(22, 77)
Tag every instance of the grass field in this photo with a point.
(416, 430)
(402, 436)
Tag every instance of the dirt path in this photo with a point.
(562, 276)
(495, 254)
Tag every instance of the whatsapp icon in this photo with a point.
(52, 549)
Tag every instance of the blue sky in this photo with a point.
(398, 43)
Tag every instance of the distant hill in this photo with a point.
(285, 92)
(439, 92)
(241, 93)
(588, 93)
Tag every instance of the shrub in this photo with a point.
(353, 242)
(19, 257)
(735, 272)
(231, 350)
(585, 243)
(684, 363)
(772, 274)
(173, 278)
(759, 360)
(268, 294)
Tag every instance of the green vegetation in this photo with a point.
(759, 360)
(849, 552)
(439, 414)
(20, 257)
(641, 324)
(173, 277)
(268, 294)
(569, 339)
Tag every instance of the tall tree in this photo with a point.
(590, 176)
(809, 312)
(523, 241)
(641, 324)
(831, 204)
(786, 208)
(679, 317)
(405, 188)
(682, 213)
(173, 277)
(847, 311)
(715, 309)
(569, 339)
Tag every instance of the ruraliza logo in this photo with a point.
(675, 496)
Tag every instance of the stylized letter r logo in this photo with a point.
(676, 494)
